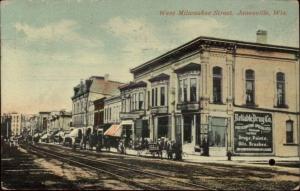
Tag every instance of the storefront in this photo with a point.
(218, 136)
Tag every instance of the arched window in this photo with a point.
(280, 83)
(289, 131)
(217, 84)
(250, 87)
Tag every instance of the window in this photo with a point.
(289, 131)
(217, 84)
(152, 97)
(132, 102)
(250, 90)
(162, 96)
(148, 99)
(141, 100)
(280, 89)
(180, 91)
(123, 105)
(156, 89)
(185, 89)
(193, 90)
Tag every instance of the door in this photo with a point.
(188, 126)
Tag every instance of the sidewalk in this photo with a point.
(221, 159)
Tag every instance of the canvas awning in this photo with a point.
(115, 130)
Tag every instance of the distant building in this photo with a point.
(85, 93)
(43, 121)
(59, 120)
(5, 125)
(13, 121)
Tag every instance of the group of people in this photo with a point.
(172, 148)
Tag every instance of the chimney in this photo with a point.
(106, 76)
(261, 36)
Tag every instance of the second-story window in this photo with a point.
(280, 80)
(217, 84)
(185, 90)
(162, 96)
(141, 101)
(155, 96)
(250, 87)
(148, 100)
(193, 89)
(180, 91)
(152, 97)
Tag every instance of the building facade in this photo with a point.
(85, 93)
(210, 94)
(42, 123)
(133, 116)
(59, 120)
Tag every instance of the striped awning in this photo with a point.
(115, 130)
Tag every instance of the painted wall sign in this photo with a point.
(253, 132)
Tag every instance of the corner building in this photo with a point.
(220, 95)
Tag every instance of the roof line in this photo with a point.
(196, 40)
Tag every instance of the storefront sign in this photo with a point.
(158, 110)
(188, 106)
(252, 132)
(129, 116)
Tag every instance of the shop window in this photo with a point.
(193, 89)
(289, 131)
(162, 96)
(162, 127)
(250, 89)
(280, 80)
(217, 84)
(141, 101)
(185, 90)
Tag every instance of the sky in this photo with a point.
(48, 46)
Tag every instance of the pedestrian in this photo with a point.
(169, 150)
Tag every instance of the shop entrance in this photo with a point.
(187, 128)
(162, 127)
(217, 136)
(127, 134)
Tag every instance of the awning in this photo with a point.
(36, 135)
(114, 131)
